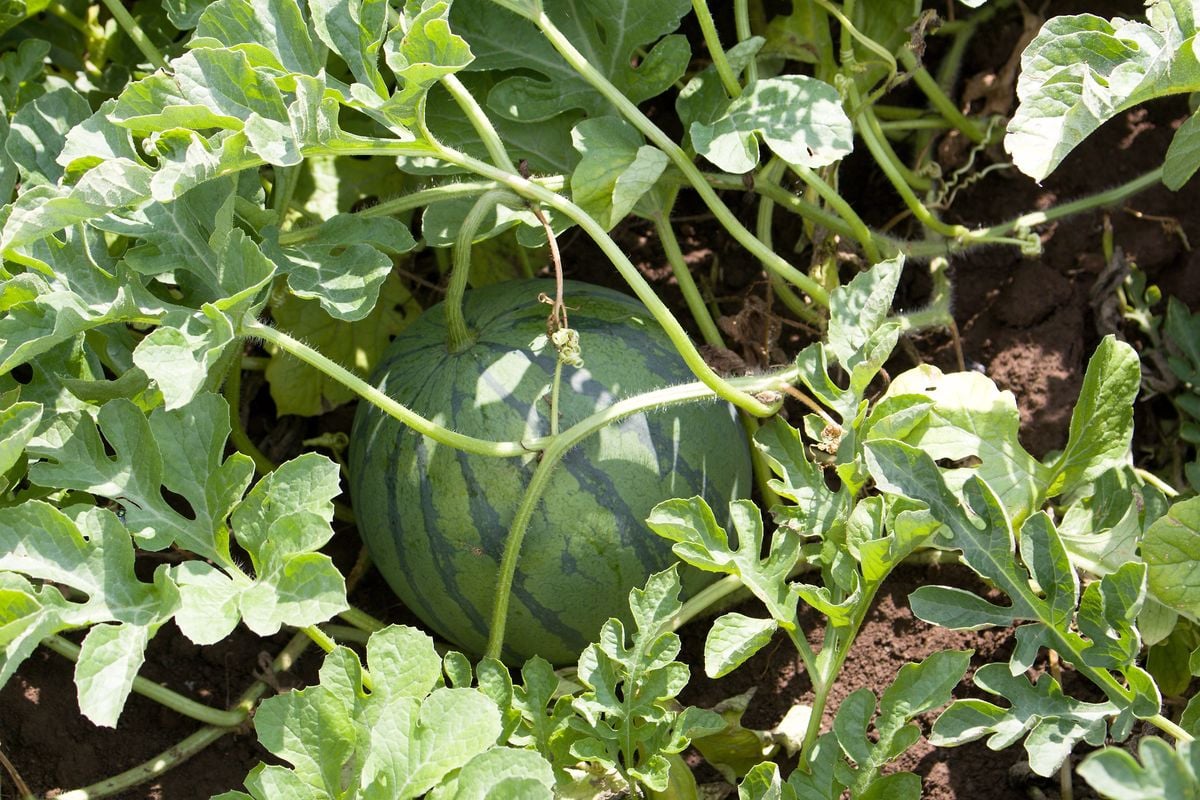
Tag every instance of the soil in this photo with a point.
(1029, 323)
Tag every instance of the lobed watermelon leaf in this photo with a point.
(403, 737)
(1082, 70)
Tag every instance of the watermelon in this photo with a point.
(435, 519)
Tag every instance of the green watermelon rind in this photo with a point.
(438, 542)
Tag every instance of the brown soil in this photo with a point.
(1028, 323)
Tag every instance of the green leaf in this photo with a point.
(701, 542)
(897, 786)
(732, 639)
(421, 51)
(339, 270)
(1051, 723)
(1164, 772)
(184, 13)
(193, 240)
(401, 740)
(736, 750)
(1102, 420)
(224, 82)
(281, 523)
(815, 510)
(43, 209)
(615, 169)
(918, 688)
(90, 552)
(109, 659)
(800, 118)
(861, 307)
(1082, 70)
(703, 99)
(180, 355)
(181, 450)
(1102, 531)
(278, 27)
(626, 713)
(763, 782)
(622, 39)
(354, 29)
(971, 419)
(1171, 548)
(500, 773)
(956, 608)
(1169, 661)
(412, 752)
(1183, 156)
(37, 134)
(1108, 610)
(300, 389)
(17, 425)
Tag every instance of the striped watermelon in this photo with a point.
(435, 519)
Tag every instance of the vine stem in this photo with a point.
(769, 258)
(135, 32)
(629, 272)
(683, 276)
(237, 434)
(938, 99)
(828, 668)
(18, 782)
(708, 329)
(741, 23)
(296, 348)
(418, 199)
(709, 29)
(479, 120)
(557, 446)
(160, 694)
(182, 751)
(458, 335)
(835, 201)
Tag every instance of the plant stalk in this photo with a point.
(417, 199)
(182, 751)
(708, 29)
(458, 335)
(160, 694)
(770, 259)
(483, 447)
(744, 30)
(554, 448)
(629, 272)
(135, 32)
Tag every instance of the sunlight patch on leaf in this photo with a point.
(800, 118)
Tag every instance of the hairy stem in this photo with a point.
(554, 448)
(182, 751)
(770, 259)
(629, 272)
(458, 335)
(741, 22)
(362, 620)
(135, 32)
(687, 284)
(835, 201)
(938, 98)
(483, 447)
(717, 53)
(160, 694)
(237, 434)
(417, 199)
(479, 121)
